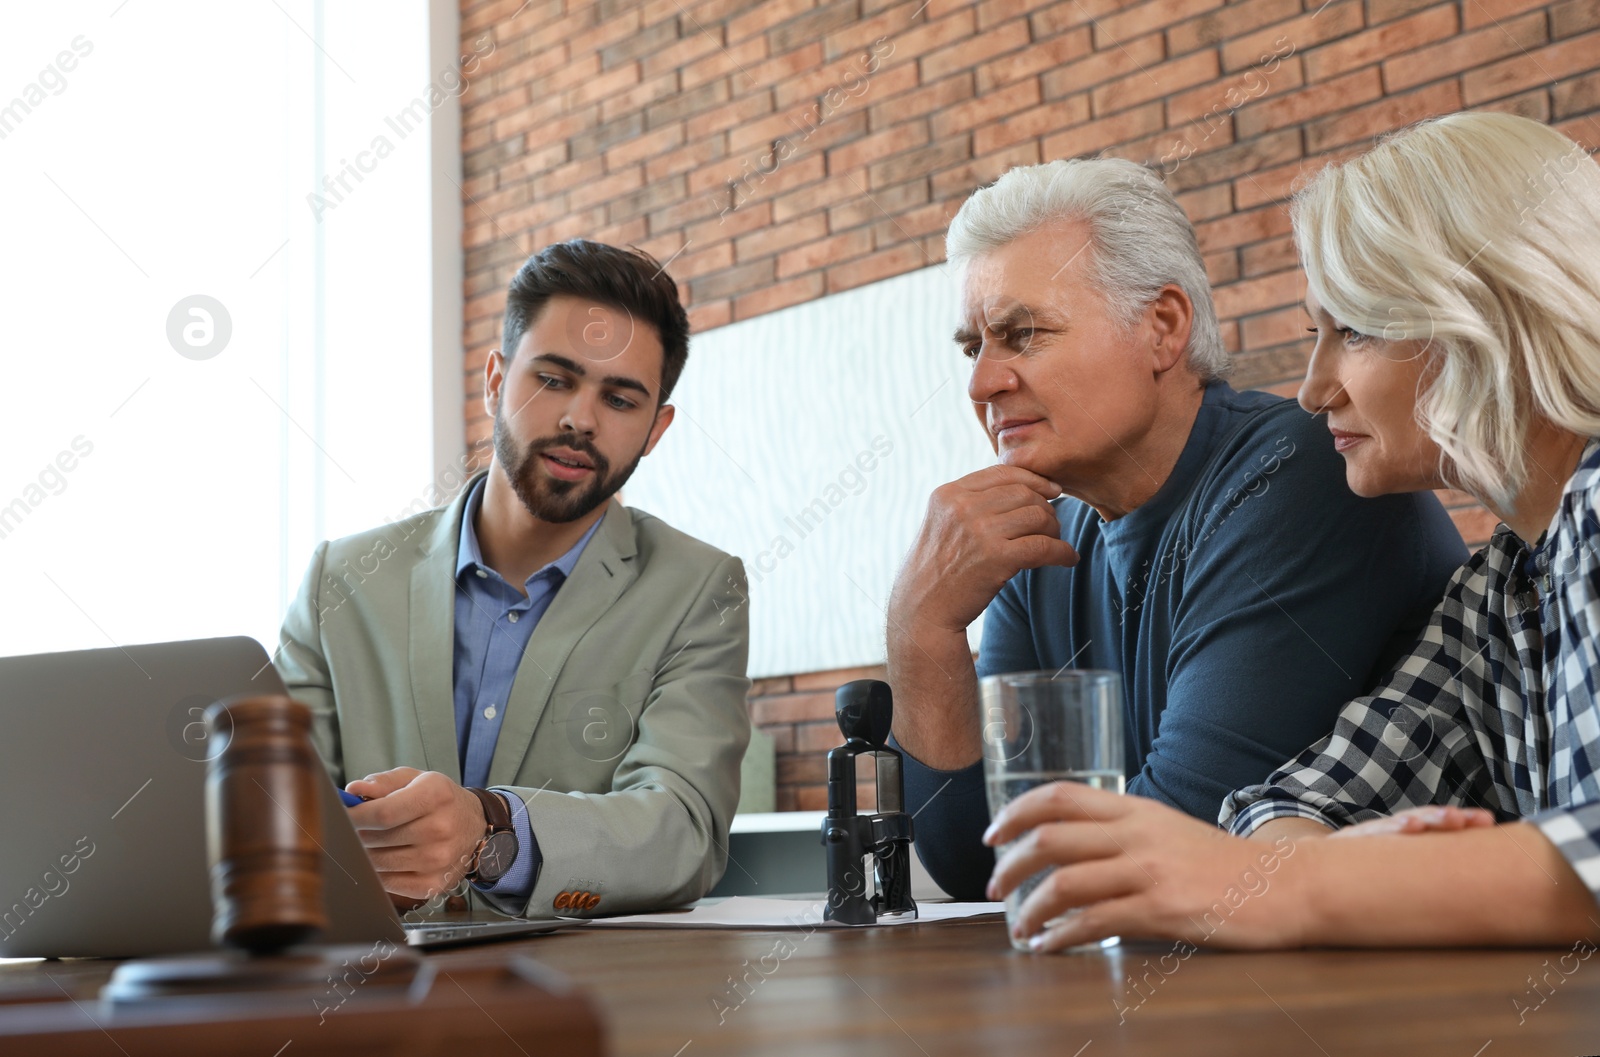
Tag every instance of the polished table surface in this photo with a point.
(958, 989)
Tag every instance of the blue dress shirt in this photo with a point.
(493, 624)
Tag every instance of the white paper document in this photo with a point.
(750, 912)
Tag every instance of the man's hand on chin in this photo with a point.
(420, 829)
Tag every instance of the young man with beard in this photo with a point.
(540, 691)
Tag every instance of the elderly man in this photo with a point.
(1143, 517)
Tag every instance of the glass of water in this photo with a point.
(1042, 727)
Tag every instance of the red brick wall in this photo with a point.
(774, 151)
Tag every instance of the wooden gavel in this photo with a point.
(264, 825)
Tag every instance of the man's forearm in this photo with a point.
(1293, 828)
(1505, 885)
(935, 696)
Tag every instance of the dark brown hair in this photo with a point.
(628, 280)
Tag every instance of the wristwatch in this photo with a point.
(497, 850)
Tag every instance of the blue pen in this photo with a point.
(350, 799)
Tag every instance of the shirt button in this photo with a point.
(483, 574)
(512, 616)
(488, 713)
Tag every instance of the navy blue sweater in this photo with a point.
(1243, 604)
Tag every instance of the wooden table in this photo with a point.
(957, 989)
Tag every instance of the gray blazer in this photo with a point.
(626, 724)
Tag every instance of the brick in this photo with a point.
(1577, 95)
(621, 233)
(480, 16)
(639, 96)
(686, 157)
(770, 240)
(752, 216)
(780, 295)
(887, 201)
(931, 219)
(1266, 257)
(1213, 103)
(726, 62)
(885, 144)
(929, 36)
(593, 89)
(1242, 228)
(1386, 115)
(1273, 328)
(641, 148)
(1030, 124)
(641, 42)
(815, 196)
(696, 207)
(1169, 149)
(1573, 17)
(697, 259)
(1151, 17)
(962, 115)
(993, 12)
(1584, 131)
(686, 104)
(763, 16)
(1389, 39)
(907, 257)
(943, 102)
(744, 108)
(605, 135)
(1221, 268)
(782, 736)
(802, 771)
(809, 28)
(1487, 12)
(647, 198)
(565, 177)
(530, 162)
(1068, 14)
(810, 707)
(1284, 363)
(1157, 82)
(1206, 203)
(1381, 11)
(1275, 183)
(1303, 33)
(1548, 64)
(998, 41)
(781, 67)
(1097, 135)
(1317, 100)
(1102, 66)
(858, 37)
(1252, 296)
(730, 282)
(592, 192)
(920, 162)
(594, 33)
(1028, 62)
(1227, 23)
(709, 315)
(1464, 52)
(696, 43)
(823, 252)
(964, 179)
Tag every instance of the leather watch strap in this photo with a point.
(495, 811)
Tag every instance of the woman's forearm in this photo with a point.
(1500, 886)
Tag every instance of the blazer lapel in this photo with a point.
(432, 632)
(603, 572)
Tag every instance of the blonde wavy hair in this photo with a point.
(1479, 233)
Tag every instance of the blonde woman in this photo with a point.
(1453, 278)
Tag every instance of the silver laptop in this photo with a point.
(102, 810)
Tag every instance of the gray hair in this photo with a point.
(1140, 238)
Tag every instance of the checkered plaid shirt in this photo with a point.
(1495, 707)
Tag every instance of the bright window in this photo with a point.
(208, 369)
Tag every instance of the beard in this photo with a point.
(547, 498)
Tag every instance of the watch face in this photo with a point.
(498, 853)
